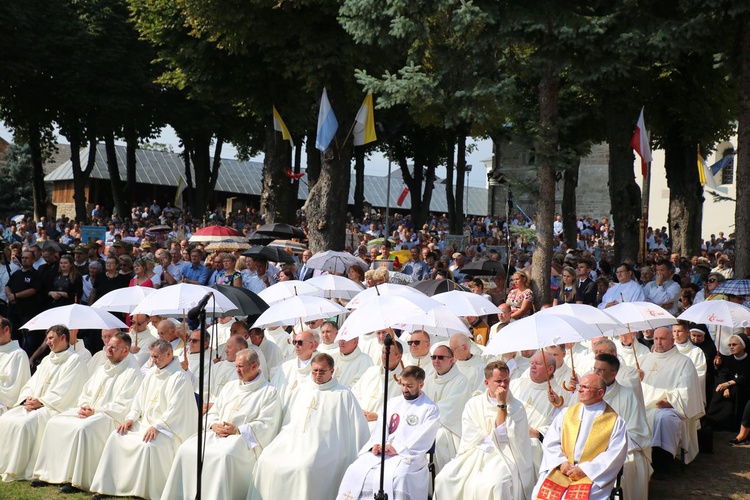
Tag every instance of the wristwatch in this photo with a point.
(503, 407)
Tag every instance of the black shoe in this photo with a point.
(36, 483)
(68, 488)
(734, 441)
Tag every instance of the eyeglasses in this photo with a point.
(414, 342)
(437, 356)
(713, 280)
(194, 341)
(299, 342)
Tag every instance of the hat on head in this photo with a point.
(80, 249)
(118, 244)
(146, 244)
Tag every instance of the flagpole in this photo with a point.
(645, 199)
(388, 202)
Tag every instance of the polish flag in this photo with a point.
(639, 142)
(402, 196)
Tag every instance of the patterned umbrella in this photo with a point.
(734, 287)
(281, 230)
(216, 233)
(294, 246)
(227, 246)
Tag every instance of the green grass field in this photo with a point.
(18, 490)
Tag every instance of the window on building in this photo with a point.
(727, 173)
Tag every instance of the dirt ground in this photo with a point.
(723, 474)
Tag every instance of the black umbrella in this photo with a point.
(281, 230)
(246, 301)
(271, 253)
(260, 239)
(483, 268)
(433, 287)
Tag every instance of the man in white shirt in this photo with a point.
(627, 290)
(663, 291)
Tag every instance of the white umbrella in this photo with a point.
(385, 289)
(18, 218)
(335, 262)
(385, 311)
(447, 324)
(466, 303)
(639, 316)
(717, 312)
(177, 300)
(588, 314)
(335, 286)
(123, 300)
(298, 310)
(538, 331)
(75, 317)
(284, 290)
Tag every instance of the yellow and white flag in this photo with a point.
(704, 172)
(181, 185)
(280, 126)
(364, 123)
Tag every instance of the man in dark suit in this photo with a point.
(586, 292)
(304, 272)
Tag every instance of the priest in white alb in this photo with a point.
(412, 424)
(469, 363)
(625, 344)
(328, 333)
(164, 413)
(99, 358)
(322, 431)
(369, 388)
(494, 456)
(419, 352)
(52, 389)
(271, 352)
(140, 332)
(225, 370)
(351, 363)
(627, 289)
(681, 332)
(73, 444)
(243, 421)
(296, 370)
(14, 367)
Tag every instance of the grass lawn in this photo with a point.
(21, 490)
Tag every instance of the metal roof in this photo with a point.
(246, 177)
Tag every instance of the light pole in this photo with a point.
(466, 190)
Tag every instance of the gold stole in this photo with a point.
(480, 334)
(557, 483)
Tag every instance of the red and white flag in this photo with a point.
(639, 142)
(402, 196)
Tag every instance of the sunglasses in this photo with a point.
(194, 341)
(413, 342)
(712, 280)
(298, 342)
(437, 356)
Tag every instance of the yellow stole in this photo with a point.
(557, 483)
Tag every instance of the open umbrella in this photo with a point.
(227, 246)
(734, 287)
(298, 309)
(378, 242)
(281, 230)
(400, 278)
(386, 311)
(260, 239)
(335, 286)
(294, 246)
(75, 317)
(18, 218)
(159, 228)
(123, 300)
(216, 233)
(270, 253)
(248, 303)
(284, 290)
(466, 303)
(335, 262)
(432, 287)
(721, 313)
(385, 289)
(483, 268)
(447, 324)
(177, 300)
(539, 331)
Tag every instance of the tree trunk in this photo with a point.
(742, 174)
(569, 212)
(216, 167)
(685, 196)
(201, 158)
(278, 195)
(114, 175)
(457, 223)
(131, 146)
(37, 175)
(79, 181)
(187, 194)
(545, 203)
(429, 187)
(359, 181)
(449, 197)
(624, 194)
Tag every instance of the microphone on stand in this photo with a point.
(195, 311)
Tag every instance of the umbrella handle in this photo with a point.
(573, 370)
(717, 359)
(549, 385)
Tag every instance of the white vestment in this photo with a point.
(520, 365)
(699, 360)
(14, 373)
(625, 352)
(424, 362)
(603, 469)
(539, 411)
(329, 349)
(130, 467)
(290, 376)
(411, 430)
(492, 461)
(194, 368)
(255, 409)
(283, 341)
(143, 341)
(80, 348)
(672, 376)
(473, 370)
(661, 295)
(350, 368)
(323, 430)
(631, 291)
(272, 355)
(372, 348)
(369, 389)
(57, 383)
(223, 372)
(450, 392)
(71, 450)
(637, 470)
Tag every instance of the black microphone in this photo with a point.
(195, 311)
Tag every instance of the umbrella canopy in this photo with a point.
(260, 239)
(717, 312)
(466, 303)
(483, 268)
(123, 300)
(400, 278)
(385, 289)
(284, 290)
(588, 314)
(432, 287)
(378, 242)
(294, 246)
(385, 311)
(298, 309)
(18, 218)
(538, 331)
(639, 316)
(281, 230)
(227, 246)
(447, 324)
(248, 303)
(159, 228)
(335, 286)
(178, 299)
(75, 317)
(270, 253)
(335, 262)
(734, 287)
(216, 233)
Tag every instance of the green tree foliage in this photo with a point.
(16, 196)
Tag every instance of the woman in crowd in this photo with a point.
(356, 274)
(286, 274)
(566, 294)
(231, 275)
(141, 274)
(95, 268)
(67, 286)
(733, 388)
(521, 298)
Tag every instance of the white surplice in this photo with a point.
(142, 340)
(272, 355)
(290, 376)
(130, 467)
(57, 383)
(369, 389)
(473, 370)
(411, 429)
(698, 358)
(72, 446)
(450, 392)
(492, 461)
(283, 341)
(223, 372)
(255, 409)
(350, 368)
(625, 352)
(323, 430)
(14, 373)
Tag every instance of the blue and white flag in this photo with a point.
(719, 165)
(327, 123)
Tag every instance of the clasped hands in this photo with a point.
(389, 450)
(572, 471)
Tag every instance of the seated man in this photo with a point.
(295, 371)
(413, 422)
(14, 367)
(243, 421)
(369, 388)
(137, 456)
(350, 361)
(470, 364)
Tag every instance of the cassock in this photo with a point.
(672, 376)
(255, 409)
(57, 382)
(699, 360)
(323, 430)
(473, 370)
(637, 470)
(72, 448)
(539, 411)
(14, 373)
(623, 292)
(223, 372)
(492, 461)
(411, 430)
(130, 467)
(283, 341)
(450, 392)
(290, 376)
(350, 368)
(599, 447)
(369, 389)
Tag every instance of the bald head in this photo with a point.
(461, 346)
(663, 339)
(605, 346)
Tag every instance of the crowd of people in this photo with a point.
(298, 412)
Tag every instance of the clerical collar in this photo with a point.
(595, 406)
(303, 362)
(248, 382)
(740, 358)
(683, 345)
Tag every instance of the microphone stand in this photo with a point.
(508, 211)
(201, 376)
(387, 343)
